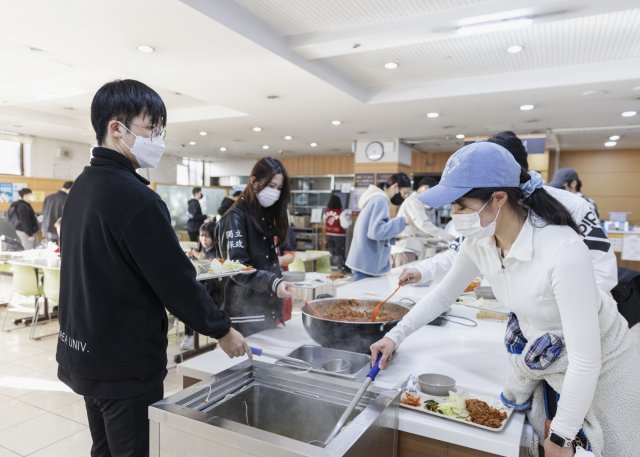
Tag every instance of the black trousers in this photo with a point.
(120, 427)
(336, 246)
(193, 236)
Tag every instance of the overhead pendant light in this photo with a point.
(145, 48)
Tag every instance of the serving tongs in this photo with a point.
(283, 360)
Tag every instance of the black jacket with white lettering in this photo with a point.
(121, 266)
(250, 300)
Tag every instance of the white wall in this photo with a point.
(232, 167)
(44, 163)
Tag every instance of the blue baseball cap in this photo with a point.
(477, 165)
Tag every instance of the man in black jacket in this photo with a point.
(23, 218)
(52, 211)
(195, 218)
(121, 266)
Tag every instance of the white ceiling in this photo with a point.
(217, 61)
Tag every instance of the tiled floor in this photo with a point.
(40, 416)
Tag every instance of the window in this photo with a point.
(190, 172)
(11, 153)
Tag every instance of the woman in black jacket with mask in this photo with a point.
(250, 232)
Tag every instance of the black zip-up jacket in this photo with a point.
(23, 217)
(121, 266)
(250, 300)
(51, 212)
(196, 218)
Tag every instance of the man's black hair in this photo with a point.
(236, 193)
(508, 140)
(124, 99)
(67, 185)
(427, 181)
(196, 190)
(25, 191)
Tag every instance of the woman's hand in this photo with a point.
(284, 289)
(553, 450)
(194, 253)
(384, 345)
(409, 276)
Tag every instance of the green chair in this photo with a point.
(51, 292)
(323, 265)
(27, 283)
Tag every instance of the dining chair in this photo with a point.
(25, 282)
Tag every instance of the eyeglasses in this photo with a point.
(155, 131)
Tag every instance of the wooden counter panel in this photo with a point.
(410, 445)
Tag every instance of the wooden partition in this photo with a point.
(610, 177)
(40, 186)
(318, 165)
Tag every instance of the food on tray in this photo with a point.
(481, 413)
(472, 285)
(454, 406)
(431, 405)
(408, 398)
(219, 266)
(334, 276)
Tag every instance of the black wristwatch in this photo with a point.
(560, 440)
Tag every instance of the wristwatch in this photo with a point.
(560, 440)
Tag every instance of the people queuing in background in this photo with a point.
(23, 218)
(410, 244)
(335, 224)
(121, 269)
(195, 217)
(563, 336)
(375, 231)
(251, 232)
(567, 178)
(52, 211)
(227, 202)
(206, 250)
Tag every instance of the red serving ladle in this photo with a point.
(376, 310)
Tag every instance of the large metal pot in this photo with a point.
(348, 335)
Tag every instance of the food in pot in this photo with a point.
(354, 313)
(483, 414)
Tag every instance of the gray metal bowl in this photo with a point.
(436, 384)
(294, 276)
(336, 365)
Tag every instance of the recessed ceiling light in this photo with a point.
(257, 129)
(192, 143)
(614, 137)
(288, 137)
(336, 122)
(610, 144)
(516, 48)
(265, 146)
(390, 65)
(222, 149)
(313, 145)
(460, 136)
(146, 48)
(433, 115)
(526, 107)
(203, 133)
(629, 114)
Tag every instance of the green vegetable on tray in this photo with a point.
(431, 405)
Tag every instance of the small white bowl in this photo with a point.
(436, 384)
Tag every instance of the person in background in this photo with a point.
(121, 266)
(52, 211)
(335, 225)
(206, 250)
(410, 245)
(600, 249)
(250, 233)
(227, 202)
(195, 217)
(563, 336)
(23, 218)
(568, 179)
(375, 231)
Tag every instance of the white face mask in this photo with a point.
(469, 226)
(147, 151)
(268, 196)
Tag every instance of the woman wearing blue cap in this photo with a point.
(569, 347)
